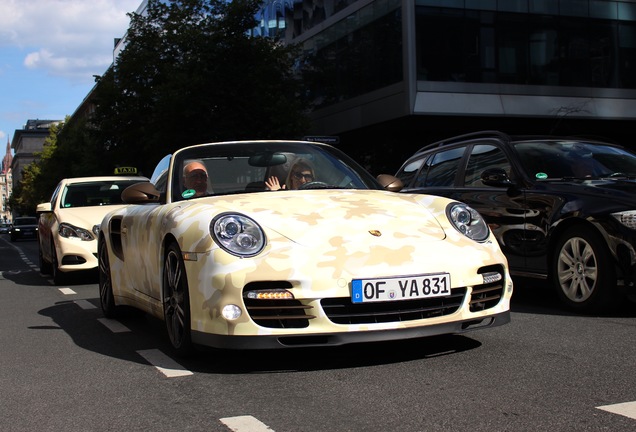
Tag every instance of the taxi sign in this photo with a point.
(125, 170)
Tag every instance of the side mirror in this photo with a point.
(140, 193)
(496, 177)
(43, 208)
(390, 183)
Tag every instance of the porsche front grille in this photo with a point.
(289, 313)
(278, 313)
(486, 296)
(342, 311)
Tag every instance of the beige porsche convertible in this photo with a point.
(279, 244)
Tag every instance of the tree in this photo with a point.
(190, 73)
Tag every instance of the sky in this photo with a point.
(49, 52)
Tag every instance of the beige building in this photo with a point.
(26, 143)
(6, 185)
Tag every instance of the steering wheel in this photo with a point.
(314, 185)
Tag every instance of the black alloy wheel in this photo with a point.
(176, 301)
(106, 297)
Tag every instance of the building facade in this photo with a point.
(388, 76)
(6, 185)
(27, 142)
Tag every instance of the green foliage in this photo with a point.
(190, 73)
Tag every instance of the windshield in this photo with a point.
(94, 193)
(574, 159)
(229, 168)
(25, 221)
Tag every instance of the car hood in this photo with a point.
(309, 217)
(85, 217)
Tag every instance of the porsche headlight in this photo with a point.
(237, 234)
(467, 221)
(627, 218)
(71, 231)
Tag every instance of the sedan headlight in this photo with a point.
(627, 218)
(467, 221)
(70, 231)
(237, 234)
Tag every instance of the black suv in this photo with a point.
(561, 208)
(24, 228)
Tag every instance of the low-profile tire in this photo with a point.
(106, 296)
(59, 277)
(583, 273)
(45, 266)
(176, 301)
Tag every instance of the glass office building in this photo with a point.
(380, 71)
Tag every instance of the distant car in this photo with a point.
(69, 222)
(562, 208)
(338, 260)
(24, 228)
(5, 228)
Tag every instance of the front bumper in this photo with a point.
(75, 254)
(337, 339)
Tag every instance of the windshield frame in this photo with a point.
(255, 160)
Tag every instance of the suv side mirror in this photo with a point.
(496, 177)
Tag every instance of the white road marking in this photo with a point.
(164, 364)
(67, 291)
(627, 409)
(245, 424)
(85, 304)
(113, 325)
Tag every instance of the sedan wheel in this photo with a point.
(176, 301)
(106, 297)
(583, 273)
(45, 267)
(59, 277)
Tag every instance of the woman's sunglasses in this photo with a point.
(300, 176)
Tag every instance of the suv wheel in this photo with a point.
(582, 271)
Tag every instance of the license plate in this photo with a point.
(402, 288)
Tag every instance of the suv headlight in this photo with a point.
(467, 221)
(627, 218)
(237, 234)
(70, 231)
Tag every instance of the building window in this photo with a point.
(580, 46)
(359, 54)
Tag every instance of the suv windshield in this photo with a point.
(574, 159)
(25, 221)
